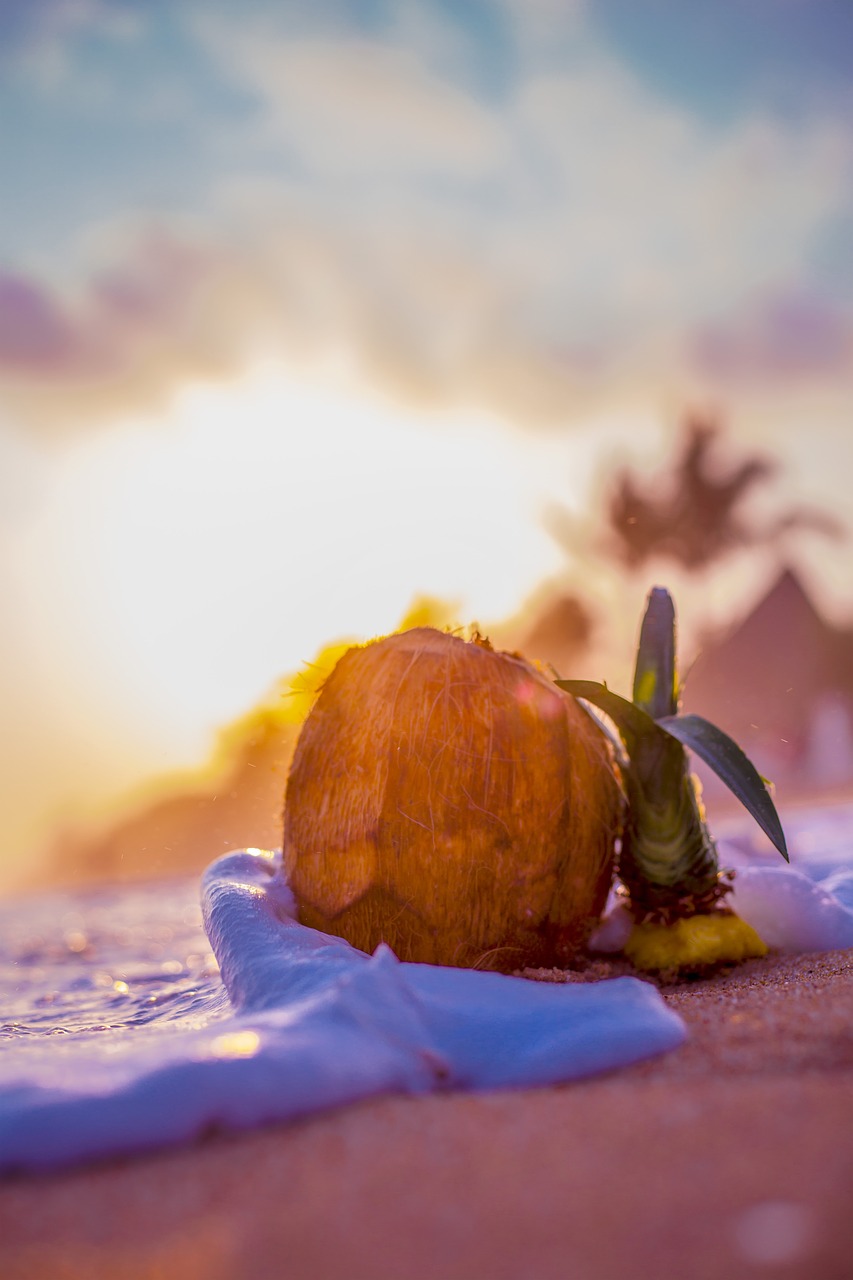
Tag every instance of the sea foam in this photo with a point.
(126, 1027)
(309, 1023)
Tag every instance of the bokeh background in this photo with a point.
(316, 318)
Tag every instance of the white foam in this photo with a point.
(313, 1024)
(119, 1035)
(793, 909)
(791, 912)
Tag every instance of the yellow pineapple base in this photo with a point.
(696, 942)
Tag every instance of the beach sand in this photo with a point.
(731, 1157)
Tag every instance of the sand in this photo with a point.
(731, 1157)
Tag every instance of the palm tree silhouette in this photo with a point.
(694, 515)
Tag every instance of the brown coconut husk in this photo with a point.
(451, 801)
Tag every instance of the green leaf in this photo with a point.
(632, 722)
(730, 764)
(655, 688)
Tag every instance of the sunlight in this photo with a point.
(217, 549)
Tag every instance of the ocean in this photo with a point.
(135, 1017)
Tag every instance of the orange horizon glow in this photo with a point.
(340, 508)
(179, 567)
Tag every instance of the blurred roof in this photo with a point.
(767, 676)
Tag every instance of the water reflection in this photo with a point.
(140, 959)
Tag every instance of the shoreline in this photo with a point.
(726, 1157)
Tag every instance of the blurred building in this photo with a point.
(781, 683)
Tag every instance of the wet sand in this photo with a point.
(731, 1157)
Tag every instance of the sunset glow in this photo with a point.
(196, 559)
(296, 515)
(308, 311)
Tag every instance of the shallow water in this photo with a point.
(119, 1032)
(117, 960)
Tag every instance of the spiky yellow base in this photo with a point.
(693, 943)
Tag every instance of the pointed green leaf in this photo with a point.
(655, 689)
(632, 722)
(730, 764)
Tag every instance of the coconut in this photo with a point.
(450, 801)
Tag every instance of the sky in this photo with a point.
(306, 309)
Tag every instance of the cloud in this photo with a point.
(34, 332)
(528, 246)
(788, 335)
(409, 311)
(135, 329)
(360, 107)
(607, 218)
(36, 38)
(25, 27)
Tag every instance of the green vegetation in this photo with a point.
(668, 861)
